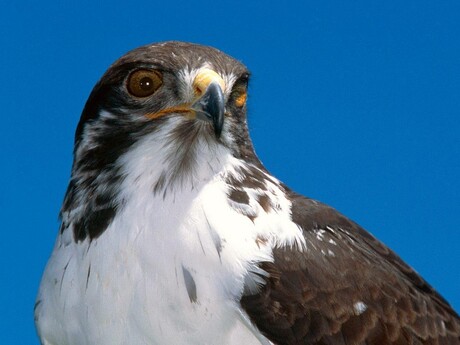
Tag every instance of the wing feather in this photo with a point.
(346, 288)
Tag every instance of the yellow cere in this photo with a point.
(205, 77)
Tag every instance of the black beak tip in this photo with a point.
(218, 130)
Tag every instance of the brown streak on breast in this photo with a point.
(265, 202)
(239, 196)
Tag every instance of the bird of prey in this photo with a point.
(173, 232)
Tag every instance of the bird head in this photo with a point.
(195, 91)
(168, 110)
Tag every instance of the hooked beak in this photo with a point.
(211, 107)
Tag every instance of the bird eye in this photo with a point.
(144, 82)
(240, 98)
(239, 93)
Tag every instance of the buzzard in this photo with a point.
(173, 232)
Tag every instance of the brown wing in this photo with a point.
(346, 288)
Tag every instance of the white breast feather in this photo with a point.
(127, 286)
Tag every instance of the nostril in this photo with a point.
(198, 91)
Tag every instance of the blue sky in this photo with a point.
(356, 104)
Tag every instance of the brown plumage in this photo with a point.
(347, 288)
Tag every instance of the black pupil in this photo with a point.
(146, 83)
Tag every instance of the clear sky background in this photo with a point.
(356, 104)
